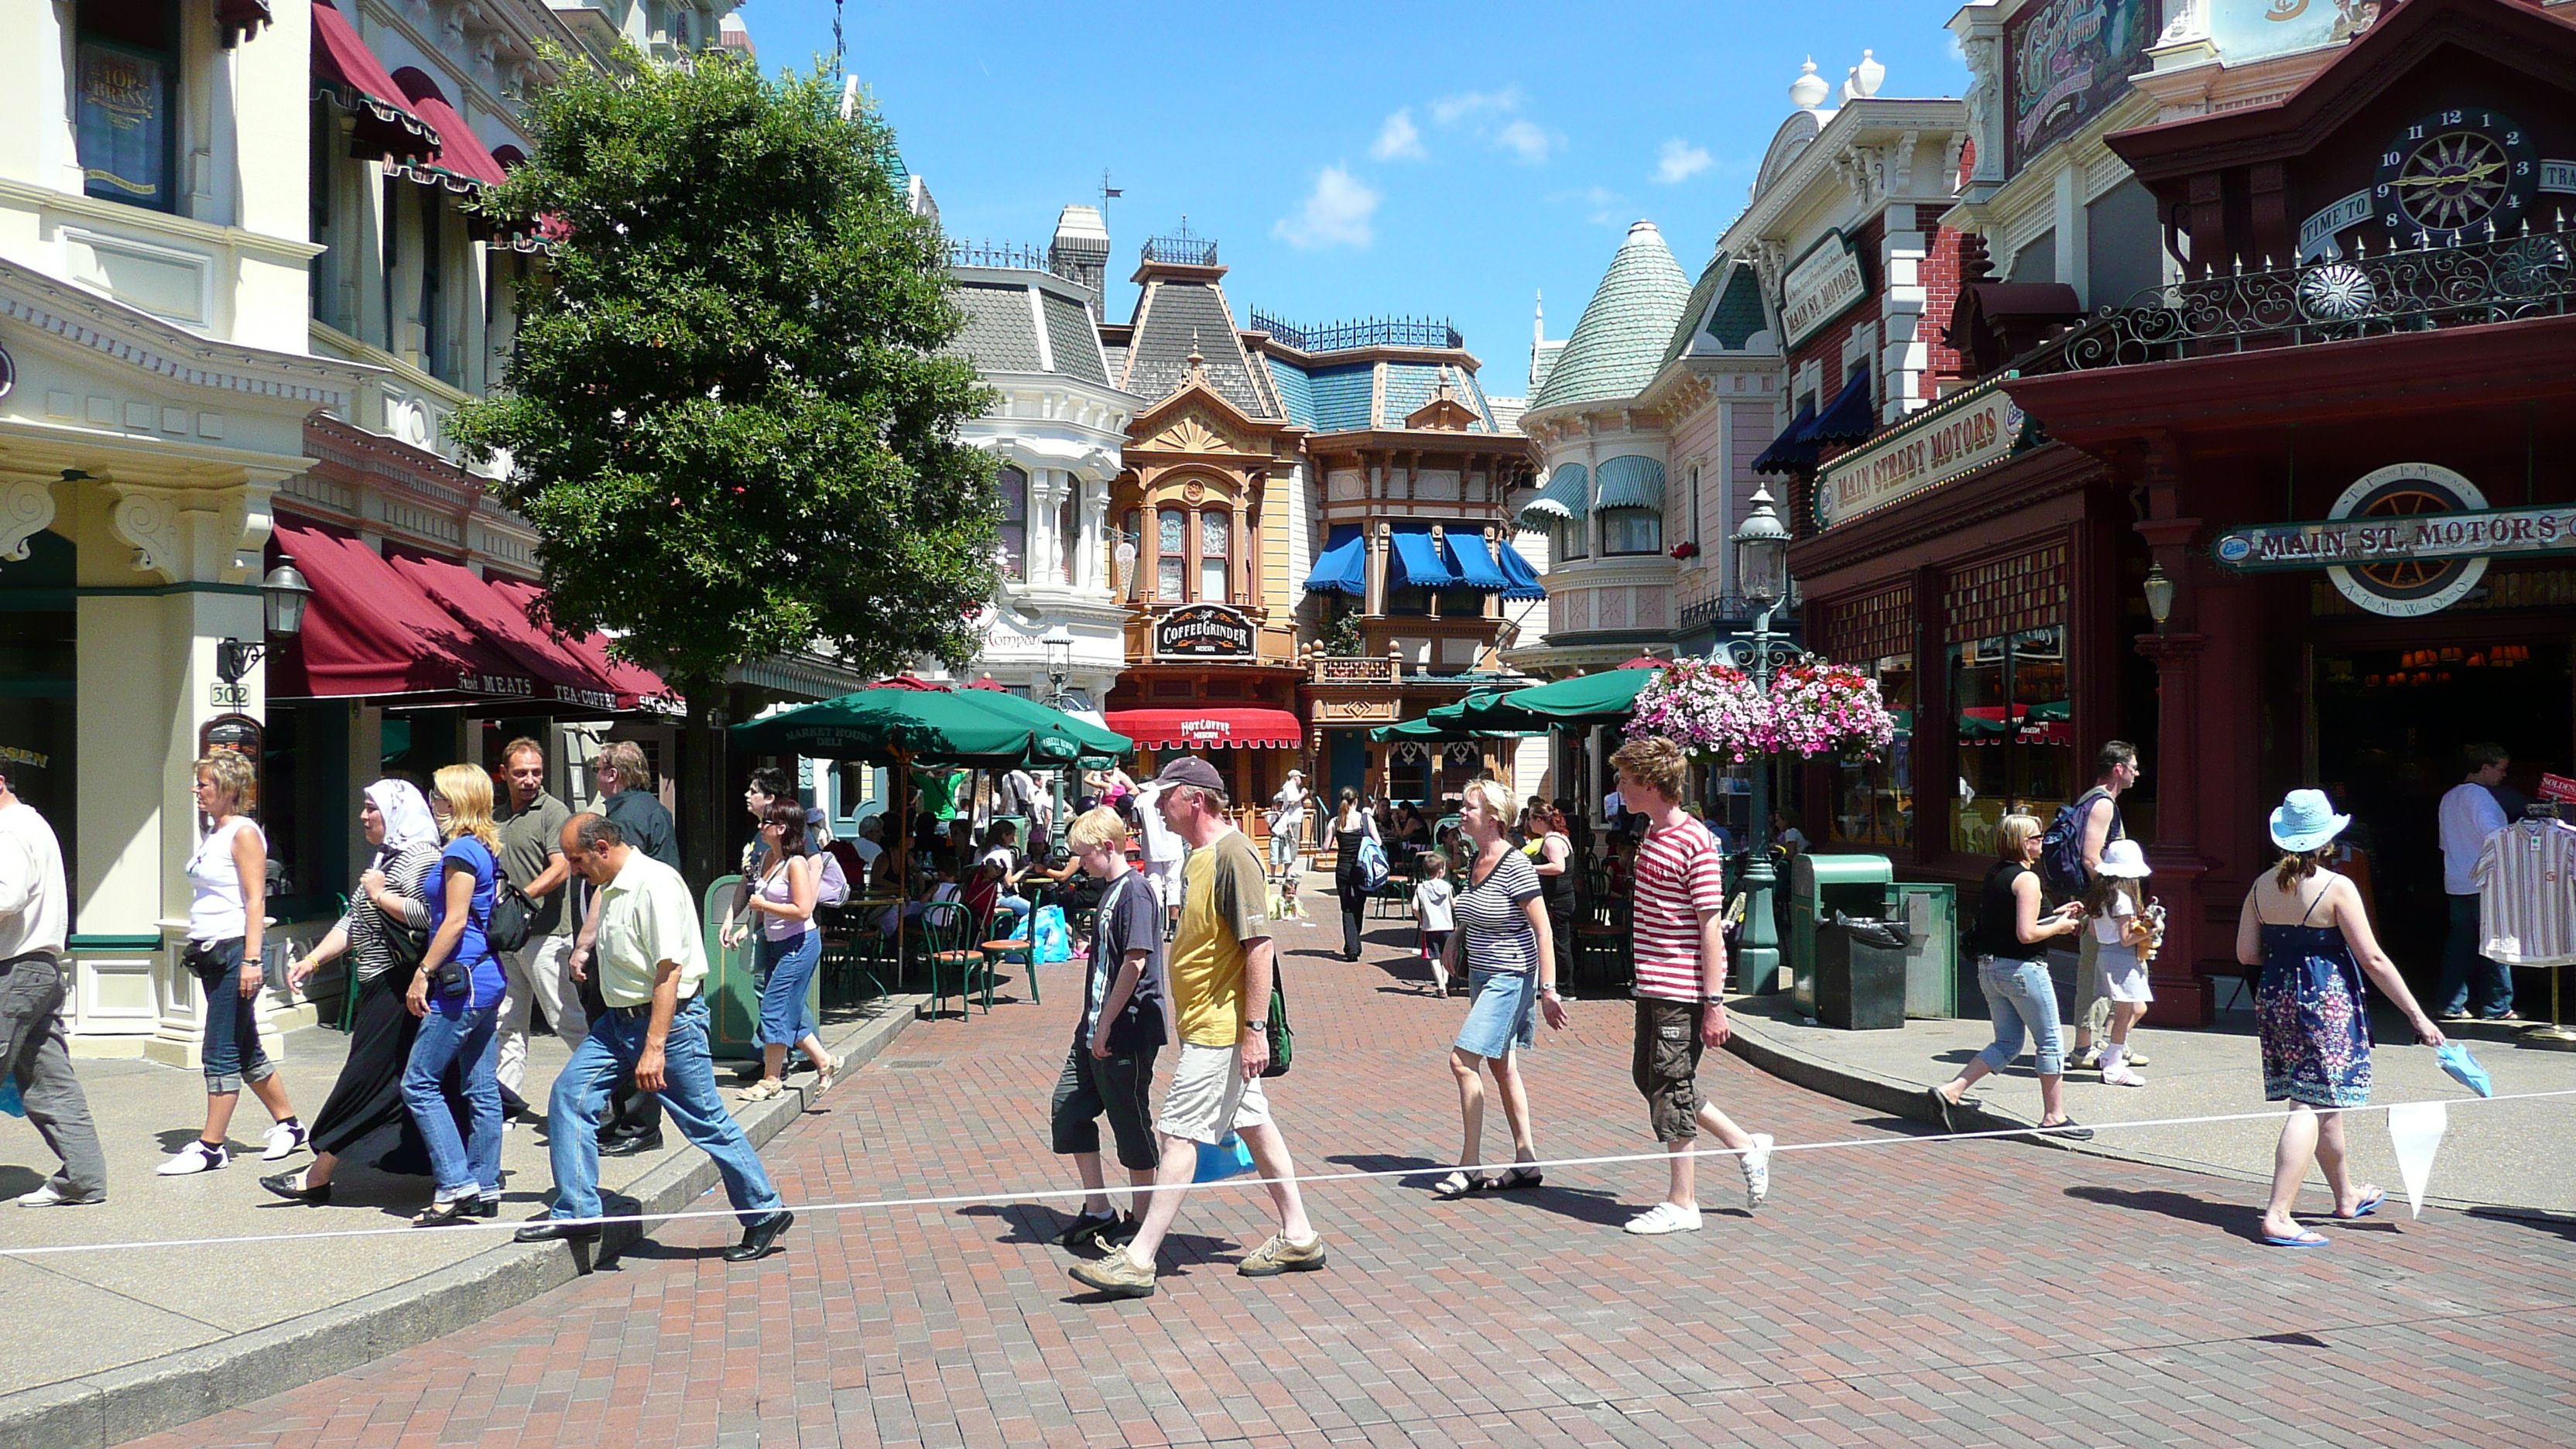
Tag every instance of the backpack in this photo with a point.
(1372, 863)
(2061, 848)
(834, 888)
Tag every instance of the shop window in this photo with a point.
(1012, 484)
(1569, 540)
(1068, 533)
(1631, 531)
(126, 88)
(1171, 559)
(1874, 799)
(2016, 743)
(1409, 773)
(39, 725)
(1216, 547)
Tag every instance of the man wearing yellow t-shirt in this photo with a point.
(1220, 967)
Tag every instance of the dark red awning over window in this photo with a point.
(371, 632)
(1239, 727)
(636, 686)
(356, 82)
(462, 163)
(480, 606)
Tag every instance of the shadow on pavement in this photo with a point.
(2242, 1220)
(2563, 1224)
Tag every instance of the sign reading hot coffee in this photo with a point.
(1964, 433)
(1203, 631)
(1821, 286)
(2405, 540)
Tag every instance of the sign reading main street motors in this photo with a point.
(2404, 540)
(1821, 286)
(1965, 432)
(1203, 631)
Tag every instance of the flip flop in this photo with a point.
(1514, 1180)
(1943, 1107)
(2303, 1240)
(2366, 1207)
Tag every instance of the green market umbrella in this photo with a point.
(1093, 740)
(1449, 722)
(976, 728)
(1590, 699)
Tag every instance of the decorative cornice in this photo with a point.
(83, 319)
(192, 535)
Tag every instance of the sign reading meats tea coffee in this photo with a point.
(1203, 631)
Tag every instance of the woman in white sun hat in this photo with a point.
(2128, 926)
(2304, 925)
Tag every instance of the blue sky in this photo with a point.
(1352, 160)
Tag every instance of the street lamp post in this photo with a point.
(1059, 666)
(1761, 575)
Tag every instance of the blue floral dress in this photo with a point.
(2313, 1017)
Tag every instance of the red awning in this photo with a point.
(357, 83)
(481, 607)
(1242, 727)
(461, 163)
(369, 631)
(637, 687)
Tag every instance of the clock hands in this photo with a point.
(2472, 174)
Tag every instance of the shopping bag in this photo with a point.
(1229, 1158)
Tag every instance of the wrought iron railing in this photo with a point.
(1730, 609)
(1366, 332)
(2502, 278)
(1181, 251)
(1009, 255)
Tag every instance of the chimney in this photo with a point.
(1080, 251)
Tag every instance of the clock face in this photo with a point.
(2454, 171)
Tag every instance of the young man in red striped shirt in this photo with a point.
(1678, 936)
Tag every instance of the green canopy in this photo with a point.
(1591, 699)
(979, 728)
(1435, 731)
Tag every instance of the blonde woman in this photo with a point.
(2012, 968)
(228, 899)
(457, 996)
(1510, 958)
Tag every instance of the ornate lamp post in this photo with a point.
(1761, 576)
(282, 595)
(1058, 642)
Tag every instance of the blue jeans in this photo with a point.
(786, 968)
(2019, 995)
(233, 1054)
(2462, 966)
(688, 1094)
(454, 1032)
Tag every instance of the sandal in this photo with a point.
(1458, 1184)
(830, 1076)
(760, 1091)
(1518, 1177)
(449, 1214)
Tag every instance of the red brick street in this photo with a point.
(1901, 1294)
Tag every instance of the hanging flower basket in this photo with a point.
(1717, 712)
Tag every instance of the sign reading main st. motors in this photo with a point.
(1203, 631)
(1821, 286)
(2404, 540)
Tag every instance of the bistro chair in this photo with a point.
(948, 944)
(1402, 875)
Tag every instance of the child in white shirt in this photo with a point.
(1431, 910)
(2130, 925)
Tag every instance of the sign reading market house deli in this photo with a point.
(1960, 435)
(1821, 286)
(1203, 631)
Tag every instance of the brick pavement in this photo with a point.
(1898, 1295)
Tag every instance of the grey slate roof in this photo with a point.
(1000, 335)
(1174, 315)
(1072, 338)
(1617, 347)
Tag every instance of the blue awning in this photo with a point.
(1632, 482)
(1475, 566)
(1343, 568)
(1566, 496)
(1525, 584)
(1418, 561)
(1848, 418)
(1790, 452)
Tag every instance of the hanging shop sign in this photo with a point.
(1203, 631)
(2404, 540)
(1821, 286)
(1963, 433)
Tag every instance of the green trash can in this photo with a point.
(732, 991)
(1931, 915)
(1819, 886)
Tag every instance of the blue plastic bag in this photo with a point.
(9, 1099)
(1229, 1158)
(2464, 1069)
(1052, 941)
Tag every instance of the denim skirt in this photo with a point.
(1503, 1014)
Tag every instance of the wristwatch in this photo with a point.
(1259, 1026)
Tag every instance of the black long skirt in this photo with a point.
(368, 1097)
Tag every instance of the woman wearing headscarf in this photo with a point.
(381, 937)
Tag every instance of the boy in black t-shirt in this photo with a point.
(1116, 1036)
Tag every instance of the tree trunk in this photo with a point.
(696, 807)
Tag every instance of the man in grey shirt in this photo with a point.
(35, 918)
(540, 972)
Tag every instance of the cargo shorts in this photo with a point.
(1666, 1065)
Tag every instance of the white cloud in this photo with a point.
(1526, 141)
(1601, 205)
(1398, 139)
(1336, 213)
(1449, 109)
(1679, 160)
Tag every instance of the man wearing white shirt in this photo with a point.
(35, 918)
(1164, 850)
(2470, 813)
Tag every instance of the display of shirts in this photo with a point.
(2526, 883)
(2469, 815)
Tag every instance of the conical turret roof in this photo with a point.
(1620, 342)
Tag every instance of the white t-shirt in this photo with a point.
(2469, 815)
(1432, 906)
(217, 911)
(1161, 844)
(2111, 927)
(33, 914)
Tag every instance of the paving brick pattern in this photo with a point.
(1895, 1295)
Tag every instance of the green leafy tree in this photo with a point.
(728, 413)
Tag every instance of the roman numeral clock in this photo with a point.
(2452, 171)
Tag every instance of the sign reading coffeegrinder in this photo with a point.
(1203, 631)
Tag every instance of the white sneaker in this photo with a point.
(196, 1157)
(1757, 1170)
(2121, 1077)
(1663, 1217)
(283, 1140)
(47, 1195)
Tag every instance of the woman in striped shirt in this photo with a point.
(1511, 960)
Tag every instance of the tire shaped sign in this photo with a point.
(2406, 588)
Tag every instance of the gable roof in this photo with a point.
(1617, 347)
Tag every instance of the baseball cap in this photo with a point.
(1192, 771)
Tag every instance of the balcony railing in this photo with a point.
(1007, 255)
(1183, 250)
(1366, 332)
(1730, 609)
(1354, 668)
(2502, 278)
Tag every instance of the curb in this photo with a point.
(1898, 1098)
(102, 1409)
